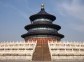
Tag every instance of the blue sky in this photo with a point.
(14, 15)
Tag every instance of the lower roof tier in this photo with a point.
(42, 33)
(57, 27)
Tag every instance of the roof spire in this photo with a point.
(42, 6)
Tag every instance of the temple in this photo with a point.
(42, 30)
(42, 26)
(42, 43)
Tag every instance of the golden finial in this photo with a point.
(42, 6)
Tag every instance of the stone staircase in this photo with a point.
(41, 52)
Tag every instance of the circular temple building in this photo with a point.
(42, 30)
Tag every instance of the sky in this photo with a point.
(14, 15)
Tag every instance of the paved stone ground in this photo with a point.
(42, 61)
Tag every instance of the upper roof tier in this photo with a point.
(42, 14)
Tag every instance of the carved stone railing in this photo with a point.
(17, 50)
(66, 50)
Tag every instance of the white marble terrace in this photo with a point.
(17, 50)
(58, 50)
(66, 50)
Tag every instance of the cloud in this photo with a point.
(74, 8)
